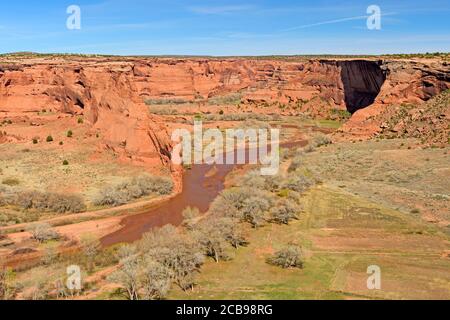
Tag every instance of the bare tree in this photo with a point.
(255, 210)
(212, 239)
(288, 257)
(179, 253)
(156, 280)
(128, 273)
(232, 231)
(91, 248)
(190, 215)
(284, 211)
(42, 232)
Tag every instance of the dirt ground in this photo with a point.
(380, 203)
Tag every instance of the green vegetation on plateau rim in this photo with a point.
(443, 55)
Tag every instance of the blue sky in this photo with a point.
(219, 27)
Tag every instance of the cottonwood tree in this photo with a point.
(155, 280)
(284, 211)
(90, 248)
(190, 215)
(42, 232)
(214, 233)
(230, 202)
(212, 239)
(179, 253)
(128, 273)
(255, 210)
(232, 231)
(298, 182)
(288, 257)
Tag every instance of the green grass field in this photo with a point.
(342, 235)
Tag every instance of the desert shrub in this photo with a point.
(230, 99)
(65, 163)
(155, 280)
(240, 117)
(230, 202)
(69, 134)
(255, 209)
(49, 139)
(35, 141)
(212, 240)
(154, 184)
(320, 140)
(127, 276)
(190, 214)
(243, 204)
(253, 179)
(288, 257)
(7, 289)
(273, 183)
(134, 189)
(66, 203)
(11, 182)
(140, 276)
(50, 255)
(90, 248)
(177, 252)
(254, 124)
(297, 161)
(298, 182)
(80, 120)
(42, 232)
(50, 202)
(294, 197)
(215, 234)
(163, 111)
(309, 148)
(231, 231)
(165, 101)
(339, 114)
(284, 211)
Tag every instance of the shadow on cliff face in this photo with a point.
(362, 82)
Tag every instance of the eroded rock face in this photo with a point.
(110, 93)
(105, 96)
(407, 82)
(362, 82)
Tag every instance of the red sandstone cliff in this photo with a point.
(407, 82)
(110, 93)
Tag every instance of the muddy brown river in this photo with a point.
(201, 185)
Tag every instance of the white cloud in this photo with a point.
(333, 22)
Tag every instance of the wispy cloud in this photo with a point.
(219, 9)
(334, 21)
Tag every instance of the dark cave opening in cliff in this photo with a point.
(362, 80)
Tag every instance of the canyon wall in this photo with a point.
(110, 92)
(407, 82)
